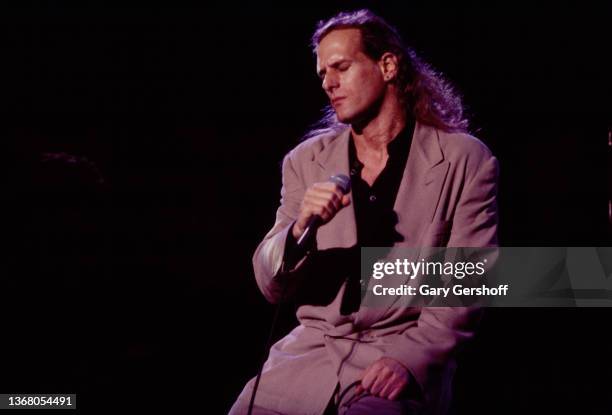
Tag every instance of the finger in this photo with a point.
(395, 393)
(328, 199)
(392, 385)
(339, 192)
(327, 212)
(327, 185)
(321, 193)
(376, 386)
(319, 207)
(334, 193)
(368, 378)
(331, 188)
(346, 200)
(336, 199)
(334, 205)
(381, 381)
(328, 191)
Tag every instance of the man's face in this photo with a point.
(352, 81)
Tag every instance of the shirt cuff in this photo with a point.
(293, 254)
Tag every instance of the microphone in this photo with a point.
(344, 183)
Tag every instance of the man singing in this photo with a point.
(418, 180)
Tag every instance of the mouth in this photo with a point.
(337, 100)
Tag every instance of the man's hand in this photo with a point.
(385, 378)
(323, 199)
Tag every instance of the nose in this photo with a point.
(330, 82)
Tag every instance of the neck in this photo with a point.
(377, 133)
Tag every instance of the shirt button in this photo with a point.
(353, 172)
(372, 198)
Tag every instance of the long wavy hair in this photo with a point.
(427, 96)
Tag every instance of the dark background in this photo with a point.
(142, 151)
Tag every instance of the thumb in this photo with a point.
(346, 200)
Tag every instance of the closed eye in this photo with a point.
(341, 65)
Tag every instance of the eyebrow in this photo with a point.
(334, 64)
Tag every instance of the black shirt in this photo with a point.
(373, 205)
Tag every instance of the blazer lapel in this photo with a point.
(341, 232)
(421, 186)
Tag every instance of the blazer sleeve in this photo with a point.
(269, 255)
(429, 347)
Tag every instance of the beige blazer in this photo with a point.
(447, 197)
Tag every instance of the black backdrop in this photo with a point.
(139, 290)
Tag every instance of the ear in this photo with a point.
(389, 66)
